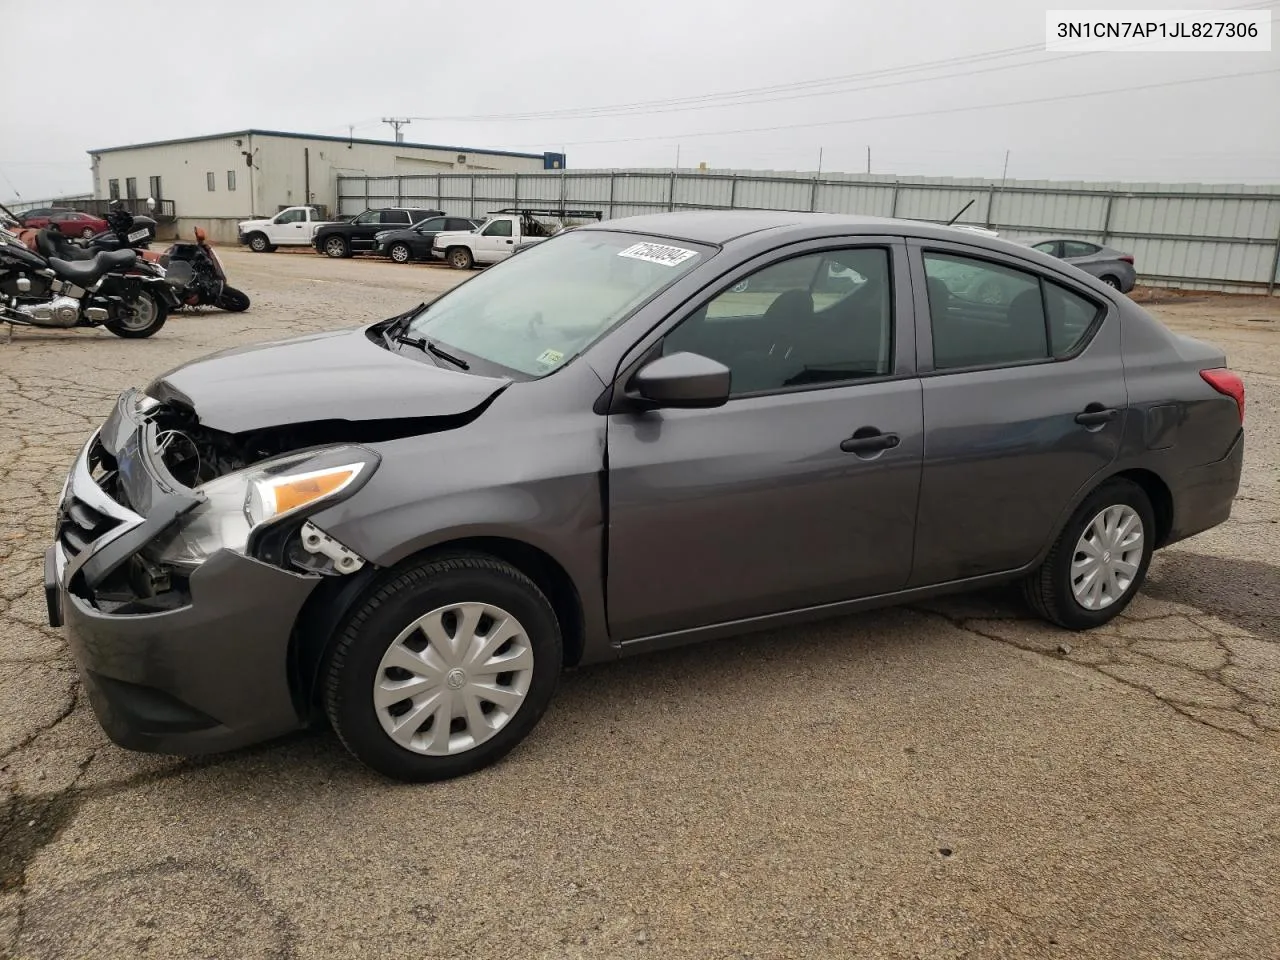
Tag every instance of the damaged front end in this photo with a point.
(181, 562)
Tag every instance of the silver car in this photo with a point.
(1109, 265)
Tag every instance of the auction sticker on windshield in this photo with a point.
(658, 253)
(550, 357)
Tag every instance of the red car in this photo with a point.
(70, 223)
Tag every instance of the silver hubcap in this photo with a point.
(453, 679)
(1107, 557)
(258, 244)
(460, 259)
(334, 247)
(142, 313)
(399, 254)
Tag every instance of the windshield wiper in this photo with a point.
(422, 343)
(456, 361)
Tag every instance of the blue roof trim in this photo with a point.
(318, 136)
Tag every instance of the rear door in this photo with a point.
(801, 490)
(1024, 403)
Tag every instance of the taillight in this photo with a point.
(1228, 384)
(1127, 259)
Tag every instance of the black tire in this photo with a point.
(336, 247)
(1048, 590)
(460, 258)
(259, 243)
(233, 300)
(351, 666)
(159, 312)
(1111, 281)
(400, 253)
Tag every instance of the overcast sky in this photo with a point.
(128, 71)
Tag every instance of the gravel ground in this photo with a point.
(947, 780)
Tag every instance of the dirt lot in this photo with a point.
(949, 781)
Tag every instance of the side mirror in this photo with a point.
(687, 380)
(151, 203)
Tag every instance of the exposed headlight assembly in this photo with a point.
(241, 508)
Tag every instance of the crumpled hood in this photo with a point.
(327, 376)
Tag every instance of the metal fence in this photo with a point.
(1184, 235)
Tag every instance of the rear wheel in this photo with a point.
(1099, 561)
(144, 317)
(443, 669)
(232, 300)
(86, 233)
(259, 243)
(335, 247)
(1111, 281)
(460, 258)
(399, 252)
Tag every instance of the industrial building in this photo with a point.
(217, 180)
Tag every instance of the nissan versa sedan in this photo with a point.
(609, 445)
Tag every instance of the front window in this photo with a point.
(499, 228)
(291, 216)
(535, 312)
(369, 216)
(436, 223)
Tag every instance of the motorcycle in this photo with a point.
(110, 288)
(208, 283)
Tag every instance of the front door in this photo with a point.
(496, 241)
(1024, 404)
(289, 226)
(801, 490)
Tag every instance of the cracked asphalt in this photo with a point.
(954, 779)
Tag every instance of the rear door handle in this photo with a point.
(1095, 414)
(869, 440)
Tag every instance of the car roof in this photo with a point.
(724, 226)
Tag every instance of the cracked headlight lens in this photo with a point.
(238, 503)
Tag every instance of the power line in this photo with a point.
(922, 113)
(754, 95)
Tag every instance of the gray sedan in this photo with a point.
(1109, 265)
(636, 434)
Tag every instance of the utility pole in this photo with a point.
(868, 158)
(819, 174)
(1004, 174)
(397, 123)
(677, 156)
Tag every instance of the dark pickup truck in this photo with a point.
(356, 235)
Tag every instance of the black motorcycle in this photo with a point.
(131, 297)
(208, 284)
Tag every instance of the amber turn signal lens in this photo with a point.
(299, 491)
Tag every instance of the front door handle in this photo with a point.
(869, 440)
(1095, 415)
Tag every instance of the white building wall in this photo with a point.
(282, 170)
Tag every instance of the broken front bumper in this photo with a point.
(204, 669)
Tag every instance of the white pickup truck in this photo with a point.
(501, 234)
(291, 227)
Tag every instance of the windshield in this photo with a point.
(535, 312)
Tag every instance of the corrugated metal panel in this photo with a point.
(1196, 234)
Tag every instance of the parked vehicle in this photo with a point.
(124, 230)
(72, 223)
(599, 449)
(207, 285)
(415, 243)
(1109, 265)
(357, 234)
(501, 234)
(130, 297)
(39, 216)
(291, 227)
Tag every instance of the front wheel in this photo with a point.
(335, 247)
(460, 258)
(232, 300)
(444, 668)
(400, 253)
(143, 318)
(1099, 561)
(259, 243)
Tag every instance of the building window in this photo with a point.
(156, 193)
(131, 188)
(113, 189)
(231, 179)
(210, 181)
